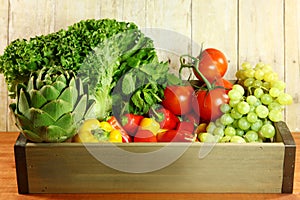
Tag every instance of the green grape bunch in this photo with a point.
(256, 101)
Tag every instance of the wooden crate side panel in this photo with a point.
(227, 168)
(292, 61)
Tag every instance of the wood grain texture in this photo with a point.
(4, 9)
(292, 61)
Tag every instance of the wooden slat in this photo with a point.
(292, 61)
(172, 22)
(69, 12)
(214, 23)
(261, 33)
(3, 43)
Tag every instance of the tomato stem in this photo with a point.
(194, 65)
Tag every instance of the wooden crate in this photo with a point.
(227, 168)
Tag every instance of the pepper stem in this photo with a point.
(194, 65)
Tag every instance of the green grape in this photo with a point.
(218, 123)
(229, 131)
(211, 127)
(225, 139)
(244, 124)
(235, 114)
(239, 132)
(234, 95)
(251, 99)
(258, 92)
(266, 85)
(233, 103)
(267, 68)
(259, 66)
(243, 107)
(252, 117)
(257, 83)
(225, 108)
(275, 106)
(285, 99)
(219, 131)
(266, 99)
(239, 88)
(262, 111)
(226, 119)
(246, 65)
(249, 82)
(259, 74)
(275, 115)
(256, 125)
(206, 137)
(270, 76)
(237, 139)
(267, 131)
(274, 92)
(251, 136)
(278, 84)
(249, 73)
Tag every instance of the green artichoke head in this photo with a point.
(52, 106)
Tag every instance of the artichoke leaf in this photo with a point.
(32, 136)
(39, 117)
(65, 121)
(37, 99)
(61, 78)
(57, 134)
(59, 85)
(57, 108)
(30, 85)
(23, 104)
(49, 92)
(80, 108)
(69, 95)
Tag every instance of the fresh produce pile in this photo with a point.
(101, 81)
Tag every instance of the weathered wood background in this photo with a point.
(245, 30)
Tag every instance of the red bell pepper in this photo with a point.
(175, 136)
(116, 125)
(165, 118)
(131, 122)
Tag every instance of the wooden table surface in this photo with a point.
(8, 183)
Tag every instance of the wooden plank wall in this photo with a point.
(245, 30)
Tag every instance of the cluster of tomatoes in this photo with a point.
(184, 107)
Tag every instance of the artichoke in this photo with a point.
(52, 106)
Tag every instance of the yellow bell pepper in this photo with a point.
(94, 131)
(150, 124)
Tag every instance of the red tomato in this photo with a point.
(207, 103)
(212, 64)
(178, 99)
(144, 136)
(175, 136)
(130, 123)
